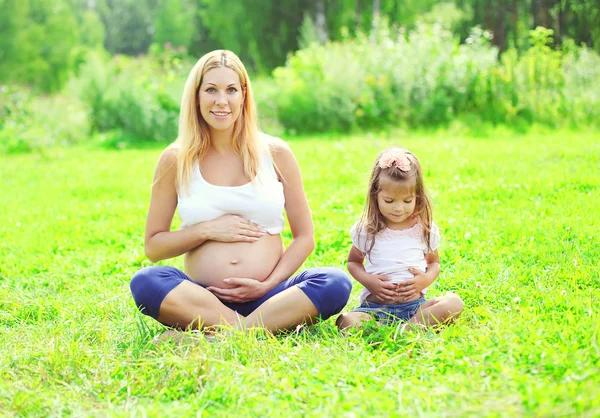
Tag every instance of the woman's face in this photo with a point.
(221, 98)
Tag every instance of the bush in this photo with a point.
(29, 123)
(137, 96)
(426, 78)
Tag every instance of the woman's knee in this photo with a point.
(328, 288)
(338, 281)
(337, 286)
(150, 285)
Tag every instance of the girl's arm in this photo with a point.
(356, 266)
(376, 284)
(433, 266)
(423, 279)
(160, 242)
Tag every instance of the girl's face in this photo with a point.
(396, 201)
(221, 98)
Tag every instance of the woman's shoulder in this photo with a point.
(275, 144)
(168, 158)
(280, 152)
(171, 152)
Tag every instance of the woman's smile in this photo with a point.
(220, 114)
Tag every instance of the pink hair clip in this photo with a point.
(395, 157)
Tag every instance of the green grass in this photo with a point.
(519, 218)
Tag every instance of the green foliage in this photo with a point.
(36, 123)
(261, 32)
(308, 32)
(12, 19)
(136, 96)
(42, 42)
(173, 23)
(93, 33)
(38, 43)
(426, 78)
(519, 246)
(445, 14)
(128, 25)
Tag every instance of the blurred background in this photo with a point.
(112, 71)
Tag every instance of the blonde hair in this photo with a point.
(372, 221)
(193, 140)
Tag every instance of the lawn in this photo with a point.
(519, 221)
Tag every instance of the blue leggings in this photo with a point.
(328, 289)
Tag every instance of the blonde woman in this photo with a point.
(230, 183)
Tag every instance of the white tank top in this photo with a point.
(260, 201)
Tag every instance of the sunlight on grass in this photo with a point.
(518, 216)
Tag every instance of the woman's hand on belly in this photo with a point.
(243, 290)
(234, 228)
(214, 262)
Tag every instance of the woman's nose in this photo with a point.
(221, 99)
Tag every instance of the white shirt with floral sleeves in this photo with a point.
(395, 251)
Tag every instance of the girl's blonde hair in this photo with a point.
(193, 140)
(372, 221)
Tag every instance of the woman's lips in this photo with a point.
(220, 115)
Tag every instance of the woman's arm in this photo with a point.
(161, 243)
(298, 214)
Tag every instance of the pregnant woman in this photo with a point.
(230, 183)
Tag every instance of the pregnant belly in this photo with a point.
(214, 261)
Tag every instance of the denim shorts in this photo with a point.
(390, 313)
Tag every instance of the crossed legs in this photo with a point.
(189, 305)
(434, 312)
(168, 295)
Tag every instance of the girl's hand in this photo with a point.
(232, 228)
(380, 286)
(408, 289)
(245, 290)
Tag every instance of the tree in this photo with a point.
(37, 42)
(128, 25)
(12, 21)
(174, 23)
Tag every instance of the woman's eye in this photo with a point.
(232, 90)
(210, 90)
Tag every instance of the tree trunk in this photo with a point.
(321, 21)
(560, 25)
(515, 18)
(500, 26)
(376, 10)
(541, 13)
(375, 22)
(358, 16)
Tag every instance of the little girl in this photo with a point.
(397, 237)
